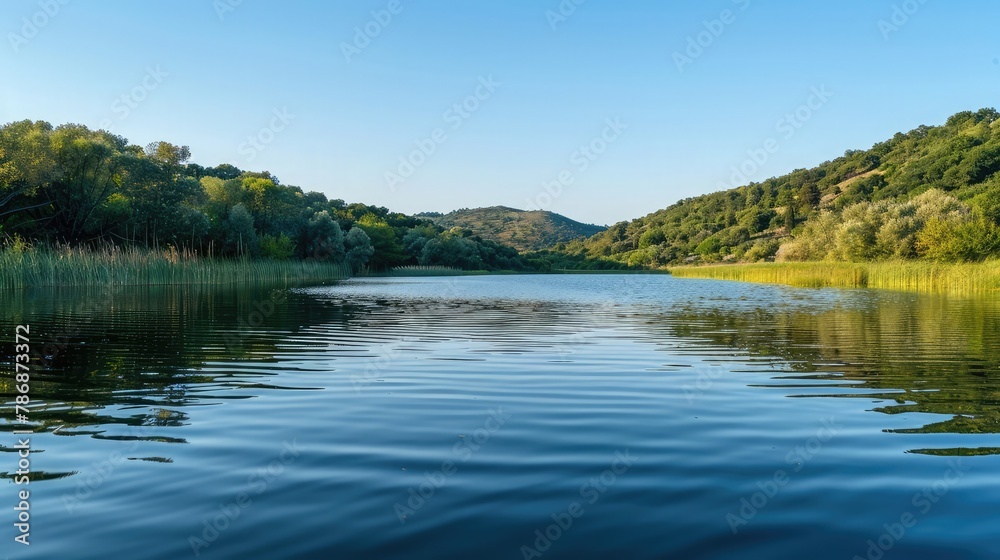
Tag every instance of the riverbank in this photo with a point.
(414, 271)
(911, 276)
(130, 267)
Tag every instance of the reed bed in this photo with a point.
(134, 267)
(910, 276)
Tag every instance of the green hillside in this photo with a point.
(526, 230)
(931, 193)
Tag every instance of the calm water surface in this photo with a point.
(615, 416)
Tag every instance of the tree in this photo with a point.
(170, 157)
(240, 237)
(416, 238)
(789, 218)
(89, 165)
(221, 195)
(450, 250)
(359, 248)
(279, 248)
(710, 246)
(988, 202)
(652, 236)
(958, 240)
(322, 239)
(809, 196)
(388, 249)
(27, 166)
(224, 172)
(158, 193)
(192, 227)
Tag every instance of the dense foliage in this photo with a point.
(932, 193)
(72, 186)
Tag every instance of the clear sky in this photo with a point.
(215, 74)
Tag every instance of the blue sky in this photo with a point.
(269, 85)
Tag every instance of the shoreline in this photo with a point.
(904, 276)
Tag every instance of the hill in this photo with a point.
(526, 230)
(931, 193)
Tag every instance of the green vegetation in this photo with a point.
(74, 197)
(557, 259)
(915, 276)
(931, 194)
(129, 267)
(523, 229)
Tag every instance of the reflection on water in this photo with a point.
(142, 397)
(925, 354)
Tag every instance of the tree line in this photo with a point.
(70, 185)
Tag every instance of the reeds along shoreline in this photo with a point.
(133, 267)
(911, 276)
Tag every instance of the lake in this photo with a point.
(552, 416)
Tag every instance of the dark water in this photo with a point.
(624, 416)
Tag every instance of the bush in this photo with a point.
(279, 248)
(761, 251)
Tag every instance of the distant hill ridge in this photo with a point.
(526, 230)
(930, 193)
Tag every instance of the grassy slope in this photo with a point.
(526, 230)
(748, 223)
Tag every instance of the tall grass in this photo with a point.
(20, 268)
(912, 276)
